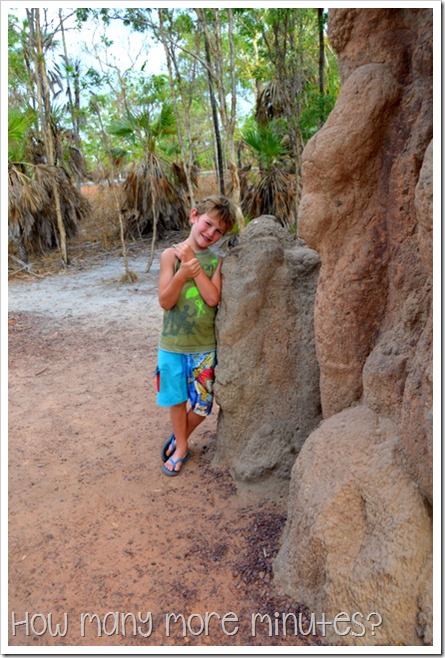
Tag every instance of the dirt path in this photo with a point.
(94, 526)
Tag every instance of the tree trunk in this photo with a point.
(219, 154)
(45, 114)
(236, 191)
(67, 75)
(77, 98)
(69, 95)
(170, 62)
(28, 57)
(321, 58)
(129, 274)
(154, 235)
(228, 120)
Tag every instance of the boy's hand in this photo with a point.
(190, 269)
(184, 252)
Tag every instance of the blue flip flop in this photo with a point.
(167, 444)
(168, 472)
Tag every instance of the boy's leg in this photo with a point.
(200, 367)
(183, 424)
(193, 420)
(172, 393)
(178, 417)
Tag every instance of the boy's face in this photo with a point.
(206, 229)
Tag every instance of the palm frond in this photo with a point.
(32, 219)
(121, 128)
(272, 194)
(165, 123)
(271, 102)
(143, 121)
(267, 142)
(179, 174)
(19, 123)
(147, 186)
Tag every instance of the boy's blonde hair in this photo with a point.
(221, 206)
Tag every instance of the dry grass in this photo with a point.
(208, 185)
(103, 225)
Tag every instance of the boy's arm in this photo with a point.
(210, 289)
(171, 282)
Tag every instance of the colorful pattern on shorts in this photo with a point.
(186, 376)
(200, 370)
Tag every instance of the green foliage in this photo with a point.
(18, 78)
(19, 124)
(165, 122)
(315, 111)
(122, 128)
(267, 142)
(136, 108)
(137, 18)
(142, 135)
(316, 108)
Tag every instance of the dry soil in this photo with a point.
(94, 526)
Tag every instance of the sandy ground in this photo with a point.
(94, 526)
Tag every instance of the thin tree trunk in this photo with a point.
(69, 94)
(236, 191)
(67, 74)
(218, 59)
(154, 212)
(155, 234)
(28, 62)
(219, 154)
(321, 58)
(186, 161)
(45, 111)
(228, 120)
(77, 98)
(129, 274)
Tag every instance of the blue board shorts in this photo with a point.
(182, 377)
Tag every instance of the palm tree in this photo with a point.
(273, 191)
(152, 202)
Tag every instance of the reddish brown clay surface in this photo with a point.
(94, 526)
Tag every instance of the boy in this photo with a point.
(189, 293)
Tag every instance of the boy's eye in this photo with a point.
(210, 225)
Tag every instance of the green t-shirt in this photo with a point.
(189, 327)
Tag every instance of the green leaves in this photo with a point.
(145, 135)
(165, 123)
(19, 123)
(276, 53)
(267, 142)
(122, 128)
